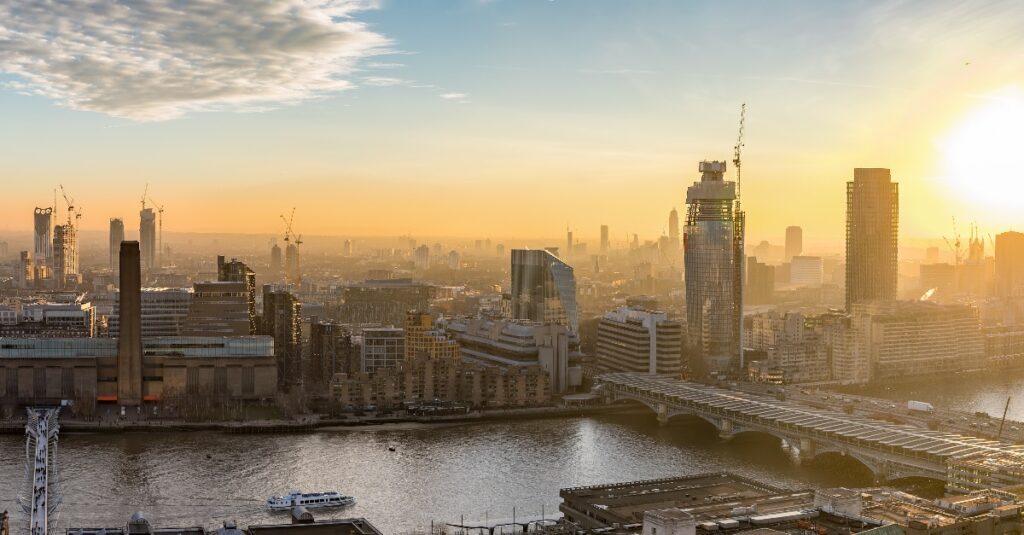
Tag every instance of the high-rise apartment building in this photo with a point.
(291, 264)
(43, 233)
(235, 271)
(543, 289)
(568, 242)
(642, 341)
(65, 256)
(872, 235)
(332, 349)
(282, 320)
(422, 257)
(794, 242)
(275, 259)
(147, 239)
(1010, 264)
(604, 238)
(713, 241)
(116, 237)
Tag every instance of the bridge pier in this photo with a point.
(726, 429)
(806, 450)
(662, 414)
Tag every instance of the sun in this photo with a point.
(983, 155)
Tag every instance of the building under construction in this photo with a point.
(713, 255)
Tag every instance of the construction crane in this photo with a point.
(160, 227)
(955, 245)
(736, 153)
(144, 193)
(290, 237)
(71, 207)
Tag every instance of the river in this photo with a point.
(479, 471)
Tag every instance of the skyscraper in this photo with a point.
(116, 237)
(235, 271)
(872, 234)
(282, 319)
(275, 259)
(794, 242)
(543, 289)
(604, 238)
(65, 255)
(673, 225)
(129, 341)
(43, 252)
(147, 239)
(1010, 264)
(568, 242)
(714, 265)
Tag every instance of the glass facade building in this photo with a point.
(714, 265)
(543, 289)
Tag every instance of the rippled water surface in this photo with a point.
(436, 473)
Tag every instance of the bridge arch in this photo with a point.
(669, 413)
(823, 452)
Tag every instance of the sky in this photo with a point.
(508, 118)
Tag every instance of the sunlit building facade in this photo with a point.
(872, 233)
(714, 265)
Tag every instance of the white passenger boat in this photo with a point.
(309, 500)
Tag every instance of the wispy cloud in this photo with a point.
(457, 97)
(385, 81)
(161, 59)
(615, 71)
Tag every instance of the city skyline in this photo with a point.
(417, 120)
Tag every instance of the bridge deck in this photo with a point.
(803, 420)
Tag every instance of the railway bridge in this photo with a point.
(890, 451)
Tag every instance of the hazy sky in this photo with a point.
(508, 118)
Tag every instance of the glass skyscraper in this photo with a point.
(543, 289)
(713, 259)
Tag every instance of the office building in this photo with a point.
(938, 279)
(219, 308)
(1010, 264)
(454, 260)
(129, 342)
(872, 235)
(65, 256)
(42, 252)
(384, 300)
(518, 345)
(346, 248)
(282, 321)
(235, 271)
(423, 338)
(604, 238)
(543, 289)
(931, 255)
(147, 239)
(807, 271)
(760, 289)
(673, 225)
(383, 347)
(67, 319)
(164, 311)
(569, 243)
(116, 237)
(794, 346)
(794, 242)
(642, 341)
(292, 269)
(713, 245)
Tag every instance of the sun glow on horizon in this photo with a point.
(982, 156)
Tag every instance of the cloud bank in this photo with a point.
(160, 59)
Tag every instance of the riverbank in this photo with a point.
(313, 424)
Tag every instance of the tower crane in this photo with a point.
(736, 153)
(71, 207)
(290, 237)
(160, 231)
(955, 245)
(144, 192)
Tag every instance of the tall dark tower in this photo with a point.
(872, 236)
(129, 344)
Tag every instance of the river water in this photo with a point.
(476, 471)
